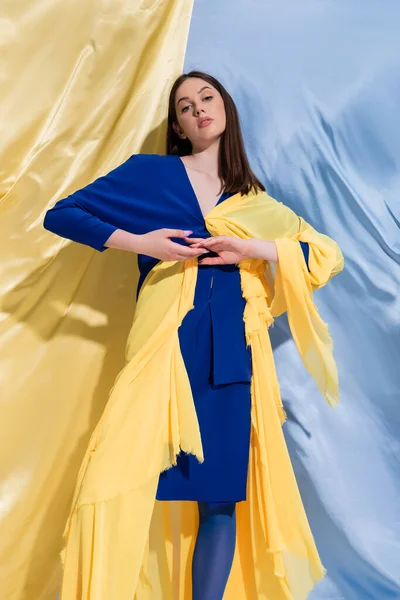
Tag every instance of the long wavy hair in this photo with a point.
(234, 168)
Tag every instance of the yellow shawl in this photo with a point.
(120, 543)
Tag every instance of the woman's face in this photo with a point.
(200, 112)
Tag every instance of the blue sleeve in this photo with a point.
(306, 250)
(90, 215)
(70, 219)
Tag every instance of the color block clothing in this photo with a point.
(212, 335)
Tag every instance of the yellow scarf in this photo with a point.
(120, 543)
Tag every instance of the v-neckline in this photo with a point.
(204, 216)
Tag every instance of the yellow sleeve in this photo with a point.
(293, 293)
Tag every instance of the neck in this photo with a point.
(207, 159)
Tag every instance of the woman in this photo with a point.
(158, 207)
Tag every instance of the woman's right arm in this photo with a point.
(94, 214)
(157, 244)
(71, 220)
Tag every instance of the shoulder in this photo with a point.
(142, 172)
(151, 160)
(148, 165)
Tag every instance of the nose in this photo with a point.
(198, 111)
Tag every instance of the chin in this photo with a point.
(210, 133)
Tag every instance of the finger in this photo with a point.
(181, 248)
(217, 248)
(194, 240)
(190, 252)
(207, 243)
(177, 233)
(218, 238)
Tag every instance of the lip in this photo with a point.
(205, 122)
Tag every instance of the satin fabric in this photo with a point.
(317, 89)
(84, 85)
(108, 534)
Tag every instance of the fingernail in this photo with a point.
(188, 232)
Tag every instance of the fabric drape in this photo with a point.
(84, 85)
(117, 538)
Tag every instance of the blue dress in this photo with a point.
(150, 192)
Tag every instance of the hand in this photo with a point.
(158, 244)
(230, 250)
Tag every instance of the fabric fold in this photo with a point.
(151, 416)
(293, 294)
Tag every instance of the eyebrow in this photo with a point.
(199, 92)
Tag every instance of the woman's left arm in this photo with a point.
(267, 250)
(232, 250)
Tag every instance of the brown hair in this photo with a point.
(234, 167)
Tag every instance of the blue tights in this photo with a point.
(214, 550)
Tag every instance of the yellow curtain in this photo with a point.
(85, 86)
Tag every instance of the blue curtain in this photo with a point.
(317, 84)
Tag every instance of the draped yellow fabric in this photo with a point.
(84, 85)
(122, 544)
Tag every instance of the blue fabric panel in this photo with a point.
(317, 85)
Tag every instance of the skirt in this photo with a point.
(223, 410)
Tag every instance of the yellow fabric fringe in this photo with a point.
(120, 543)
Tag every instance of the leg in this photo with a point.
(214, 550)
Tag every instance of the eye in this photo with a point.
(207, 98)
(184, 109)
